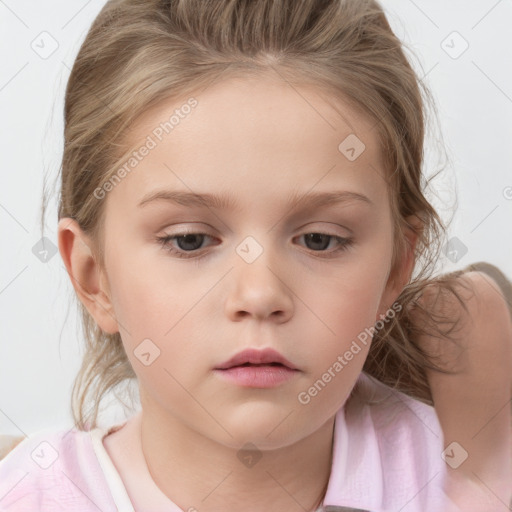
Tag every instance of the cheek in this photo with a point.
(346, 307)
(145, 308)
(348, 300)
(348, 319)
(166, 307)
(342, 340)
(149, 294)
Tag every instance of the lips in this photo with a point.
(255, 357)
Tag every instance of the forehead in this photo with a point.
(261, 106)
(258, 134)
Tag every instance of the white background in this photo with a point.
(40, 344)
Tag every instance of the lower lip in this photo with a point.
(257, 376)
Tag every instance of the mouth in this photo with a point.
(252, 357)
(257, 375)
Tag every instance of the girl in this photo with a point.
(274, 372)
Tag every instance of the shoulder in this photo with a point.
(488, 303)
(479, 304)
(8, 443)
(52, 469)
(480, 349)
(482, 297)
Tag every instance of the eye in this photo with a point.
(189, 243)
(320, 241)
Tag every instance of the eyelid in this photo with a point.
(310, 227)
(301, 231)
(343, 244)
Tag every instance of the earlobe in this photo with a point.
(87, 277)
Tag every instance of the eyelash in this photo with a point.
(164, 241)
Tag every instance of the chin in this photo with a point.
(265, 430)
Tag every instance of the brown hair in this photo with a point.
(139, 52)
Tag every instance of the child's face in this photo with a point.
(260, 282)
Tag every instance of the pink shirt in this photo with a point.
(386, 457)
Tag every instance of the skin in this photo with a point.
(257, 141)
(473, 405)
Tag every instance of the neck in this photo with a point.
(195, 472)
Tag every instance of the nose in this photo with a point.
(260, 289)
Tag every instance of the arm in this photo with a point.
(474, 406)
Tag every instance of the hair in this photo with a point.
(139, 52)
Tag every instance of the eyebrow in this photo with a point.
(225, 202)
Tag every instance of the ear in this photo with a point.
(400, 276)
(87, 277)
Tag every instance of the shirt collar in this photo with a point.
(342, 490)
(400, 436)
